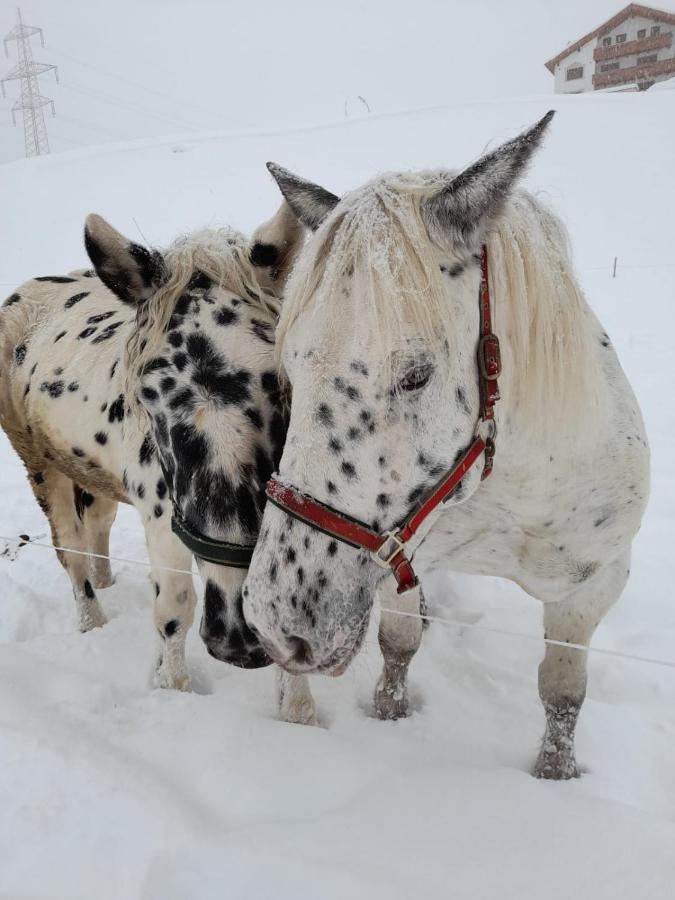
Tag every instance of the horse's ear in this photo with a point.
(131, 272)
(465, 207)
(310, 203)
(274, 247)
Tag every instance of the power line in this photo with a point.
(87, 126)
(31, 102)
(125, 104)
(74, 144)
(136, 84)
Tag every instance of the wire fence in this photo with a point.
(608, 267)
(26, 540)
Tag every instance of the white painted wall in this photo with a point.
(582, 57)
(631, 27)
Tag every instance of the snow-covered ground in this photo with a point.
(110, 789)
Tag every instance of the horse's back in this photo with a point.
(61, 343)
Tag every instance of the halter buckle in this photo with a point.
(489, 357)
(390, 537)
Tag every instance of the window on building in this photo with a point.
(621, 38)
(646, 60)
(609, 67)
(574, 72)
(607, 42)
(642, 32)
(656, 29)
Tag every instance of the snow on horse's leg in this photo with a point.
(562, 673)
(175, 602)
(399, 638)
(296, 703)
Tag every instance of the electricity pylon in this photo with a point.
(31, 102)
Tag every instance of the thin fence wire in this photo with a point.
(605, 651)
(442, 621)
(606, 268)
(22, 542)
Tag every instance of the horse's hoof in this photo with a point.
(92, 617)
(556, 766)
(182, 683)
(177, 683)
(298, 711)
(391, 703)
(173, 681)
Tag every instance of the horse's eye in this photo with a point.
(415, 378)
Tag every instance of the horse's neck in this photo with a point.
(534, 467)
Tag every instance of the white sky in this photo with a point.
(143, 68)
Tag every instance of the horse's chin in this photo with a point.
(339, 669)
(335, 665)
(333, 669)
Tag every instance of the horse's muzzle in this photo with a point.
(255, 658)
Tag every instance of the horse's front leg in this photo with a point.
(399, 638)
(562, 673)
(296, 703)
(175, 601)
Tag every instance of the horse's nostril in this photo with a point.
(301, 651)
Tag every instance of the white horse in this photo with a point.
(379, 338)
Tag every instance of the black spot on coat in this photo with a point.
(100, 317)
(147, 450)
(107, 333)
(55, 279)
(225, 316)
(71, 301)
(116, 411)
(263, 330)
(324, 415)
(53, 388)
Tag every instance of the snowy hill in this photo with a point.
(111, 789)
(142, 68)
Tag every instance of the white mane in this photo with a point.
(377, 236)
(551, 357)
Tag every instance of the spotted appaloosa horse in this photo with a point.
(379, 337)
(167, 400)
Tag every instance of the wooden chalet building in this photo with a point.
(630, 51)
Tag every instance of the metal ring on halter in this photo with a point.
(391, 537)
(492, 430)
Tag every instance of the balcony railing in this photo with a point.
(633, 73)
(601, 54)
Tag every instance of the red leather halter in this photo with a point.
(389, 548)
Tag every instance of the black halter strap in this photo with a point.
(222, 553)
